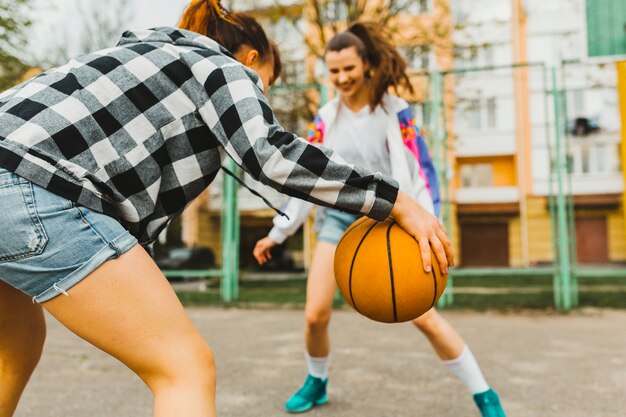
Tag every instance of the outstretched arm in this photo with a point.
(242, 121)
(297, 210)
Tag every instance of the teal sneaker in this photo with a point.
(489, 404)
(313, 392)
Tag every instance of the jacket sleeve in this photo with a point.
(239, 116)
(431, 172)
(298, 211)
(413, 139)
(315, 135)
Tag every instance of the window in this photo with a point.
(488, 52)
(460, 11)
(475, 114)
(491, 112)
(473, 56)
(333, 11)
(587, 157)
(471, 114)
(418, 6)
(601, 157)
(293, 73)
(476, 175)
(416, 56)
(578, 102)
(467, 56)
(584, 159)
(425, 5)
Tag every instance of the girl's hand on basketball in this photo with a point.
(262, 249)
(426, 229)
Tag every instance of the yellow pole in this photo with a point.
(621, 91)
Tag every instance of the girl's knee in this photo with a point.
(317, 319)
(21, 351)
(193, 365)
(428, 322)
(199, 362)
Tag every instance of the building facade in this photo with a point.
(500, 121)
(506, 130)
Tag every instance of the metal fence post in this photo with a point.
(229, 285)
(562, 294)
(435, 119)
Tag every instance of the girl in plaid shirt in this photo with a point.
(370, 127)
(103, 152)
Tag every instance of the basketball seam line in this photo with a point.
(349, 230)
(356, 252)
(393, 290)
(432, 272)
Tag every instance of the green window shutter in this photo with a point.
(606, 27)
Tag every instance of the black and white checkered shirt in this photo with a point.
(139, 130)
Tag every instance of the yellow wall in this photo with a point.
(503, 169)
(615, 232)
(540, 246)
(621, 90)
(616, 236)
(455, 233)
(503, 172)
(210, 233)
(540, 231)
(515, 243)
(540, 249)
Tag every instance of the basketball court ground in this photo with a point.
(542, 365)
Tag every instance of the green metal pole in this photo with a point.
(229, 285)
(565, 300)
(435, 121)
(551, 195)
(323, 94)
(234, 255)
(446, 208)
(571, 216)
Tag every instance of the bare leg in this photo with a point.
(446, 341)
(22, 334)
(128, 309)
(320, 290)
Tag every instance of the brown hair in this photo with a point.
(230, 29)
(387, 66)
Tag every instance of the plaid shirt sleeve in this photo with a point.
(238, 114)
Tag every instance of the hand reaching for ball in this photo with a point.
(426, 229)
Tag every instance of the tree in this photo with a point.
(12, 25)
(417, 27)
(100, 25)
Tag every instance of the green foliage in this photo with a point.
(12, 25)
(100, 25)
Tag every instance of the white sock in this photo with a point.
(318, 367)
(467, 370)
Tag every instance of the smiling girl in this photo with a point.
(367, 126)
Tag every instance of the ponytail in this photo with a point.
(387, 67)
(230, 29)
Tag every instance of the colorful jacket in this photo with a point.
(411, 164)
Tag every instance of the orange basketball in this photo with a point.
(379, 271)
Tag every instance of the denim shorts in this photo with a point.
(49, 243)
(333, 224)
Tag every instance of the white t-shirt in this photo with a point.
(361, 138)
